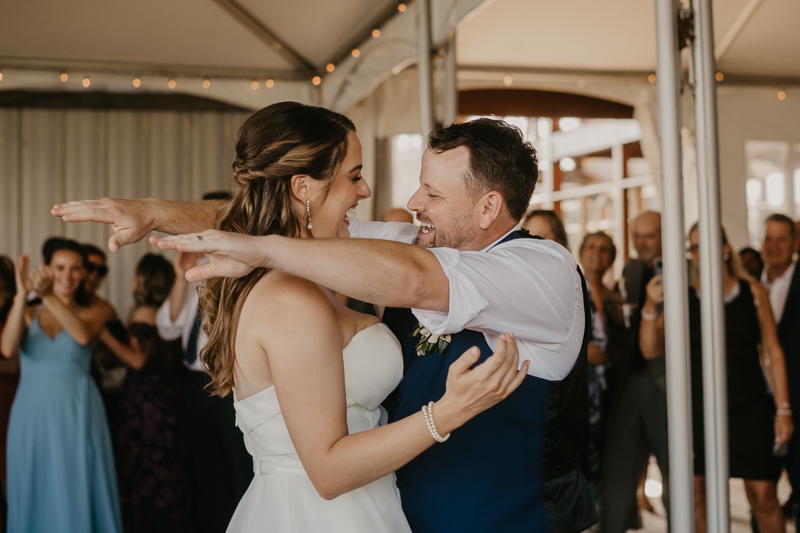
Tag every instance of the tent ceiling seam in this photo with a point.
(735, 28)
(260, 30)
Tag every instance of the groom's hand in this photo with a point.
(131, 220)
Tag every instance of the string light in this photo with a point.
(172, 84)
(1, 75)
(401, 8)
(64, 77)
(651, 78)
(270, 84)
(206, 83)
(317, 80)
(355, 52)
(330, 67)
(86, 81)
(137, 82)
(720, 76)
(254, 85)
(781, 95)
(508, 80)
(376, 33)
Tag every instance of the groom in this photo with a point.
(473, 275)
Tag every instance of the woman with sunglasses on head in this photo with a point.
(61, 473)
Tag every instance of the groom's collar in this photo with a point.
(515, 228)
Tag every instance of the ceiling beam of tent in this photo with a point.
(260, 30)
(148, 69)
(501, 69)
(735, 28)
(365, 34)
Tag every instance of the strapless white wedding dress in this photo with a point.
(281, 498)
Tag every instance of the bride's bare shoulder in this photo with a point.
(279, 293)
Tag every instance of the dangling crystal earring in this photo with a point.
(308, 214)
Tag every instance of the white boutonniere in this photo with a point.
(428, 342)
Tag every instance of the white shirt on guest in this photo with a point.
(528, 286)
(778, 290)
(182, 326)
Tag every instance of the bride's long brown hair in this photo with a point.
(274, 144)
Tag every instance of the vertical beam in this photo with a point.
(450, 80)
(425, 67)
(676, 305)
(712, 306)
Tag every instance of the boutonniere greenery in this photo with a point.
(428, 342)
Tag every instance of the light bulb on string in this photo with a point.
(356, 52)
(137, 82)
(86, 81)
(781, 95)
(270, 84)
(172, 84)
(206, 83)
(316, 80)
(254, 85)
(330, 67)
(64, 77)
(376, 33)
(401, 8)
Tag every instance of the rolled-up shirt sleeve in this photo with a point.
(530, 287)
(386, 231)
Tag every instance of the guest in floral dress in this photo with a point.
(152, 478)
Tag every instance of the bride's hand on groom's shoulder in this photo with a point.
(470, 392)
(230, 255)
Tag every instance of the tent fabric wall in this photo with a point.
(49, 156)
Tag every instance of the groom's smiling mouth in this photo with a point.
(427, 227)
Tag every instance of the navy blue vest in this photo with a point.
(513, 467)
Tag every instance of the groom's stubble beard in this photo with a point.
(458, 232)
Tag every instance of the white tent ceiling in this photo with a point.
(753, 37)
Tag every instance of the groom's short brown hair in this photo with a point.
(499, 158)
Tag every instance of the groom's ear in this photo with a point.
(490, 207)
(300, 187)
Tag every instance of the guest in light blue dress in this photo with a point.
(60, 462)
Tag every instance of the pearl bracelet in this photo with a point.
(427, 412)
(784, 412)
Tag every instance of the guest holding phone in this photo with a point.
(756, 429)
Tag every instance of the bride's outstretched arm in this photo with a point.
(304, 341)
(132, 220)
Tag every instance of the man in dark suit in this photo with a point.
(782, 281)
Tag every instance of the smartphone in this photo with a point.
(659, 266)
(780, 449)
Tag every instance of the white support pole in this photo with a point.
(676, 305)
(712, 306)
(450, 80)
(424, 67)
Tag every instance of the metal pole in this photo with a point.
(712, 307)
(450, 81)
(424, 66)
(676, 305)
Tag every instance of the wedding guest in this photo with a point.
(752, 262)
(596, 256)
(781, 278)
(153, 487)
(9, 372)
(755, 426)
(546, 224)
(61, 468)
(210, 421)
(637, 421)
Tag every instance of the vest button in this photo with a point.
(399, 399)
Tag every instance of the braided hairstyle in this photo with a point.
(274, 144)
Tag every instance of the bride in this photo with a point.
(308, 375)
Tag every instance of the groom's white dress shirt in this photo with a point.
(528, 286)
(181, 327)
